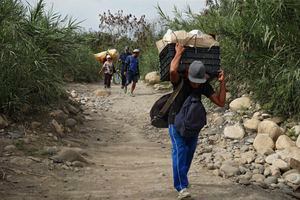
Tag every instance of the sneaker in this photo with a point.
(184, 194)
(125, 89)
(131, 94)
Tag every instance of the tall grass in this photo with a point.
(36, 49)
(260, 46)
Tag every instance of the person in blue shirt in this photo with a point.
(122, 59)
(132, 71)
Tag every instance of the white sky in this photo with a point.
(89, 10)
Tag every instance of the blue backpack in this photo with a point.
(191, 117)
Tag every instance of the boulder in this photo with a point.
(271, 180)
(218, 121)
(292, 176)
(251, 124)
(280, 164)
(270, 128)
(70, 122)
(259, 178)
(263, 143)
(271, 158)
(69, 155)
(296, 130)
(229, 169)
(58, 115)
(248, 156)
(35, 125)
(240, 104)
(10, 148)
(284, 142)
(73, 94)
(234, 132)
(3, 122)
(58, 127)
(274, 171)
(288, 153)
(295, 164)
(152, 78)
(165, 86)
(102, 93)
(298, 141)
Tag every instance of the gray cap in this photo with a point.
(197, 72)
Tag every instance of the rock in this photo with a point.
(251, 124)
(234, 132)
(3, 122)
(274, 171)
(21, 161)
(70, 122)
(58, 128)
(68, 154)
(216, 172)
(284, 142)
(271, 180)
(256, 115)
(295, 164)
(271, 158)
(248, 156)
(260, 160)
(165, 86)
(16, 134)
(298, 141)
(228, 96)
(267, 171)
(58, 115)
(10, 148)
(77, 164)
(296, 130)
(259, 178)
(265, 115)
(263, 143)
(240, 104)
(152, 78)
(277, 120)
(292, 152)
(50, 150)
(280, 164)
(244, 180)
(72, 109)
(35, 125)
(102, 93)
(270, 128)
(292, 176)
(229, 169)
(218, 121)
(74, 94)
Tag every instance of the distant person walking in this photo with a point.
(193, 86)
(108, 69)
(122, 59)
(132, 71)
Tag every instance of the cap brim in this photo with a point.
(197, 80)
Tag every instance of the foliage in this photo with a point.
(37, 48)
(260, 46)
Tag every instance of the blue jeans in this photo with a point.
(183, 150)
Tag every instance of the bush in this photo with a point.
(260, 47)
(36, 49)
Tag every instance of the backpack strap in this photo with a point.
(171, 99)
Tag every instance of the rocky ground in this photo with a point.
(106, 149)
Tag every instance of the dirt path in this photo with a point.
(130, 163)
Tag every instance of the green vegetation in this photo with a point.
(260, 47)
(38, 49)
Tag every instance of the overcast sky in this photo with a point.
(89, 10)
